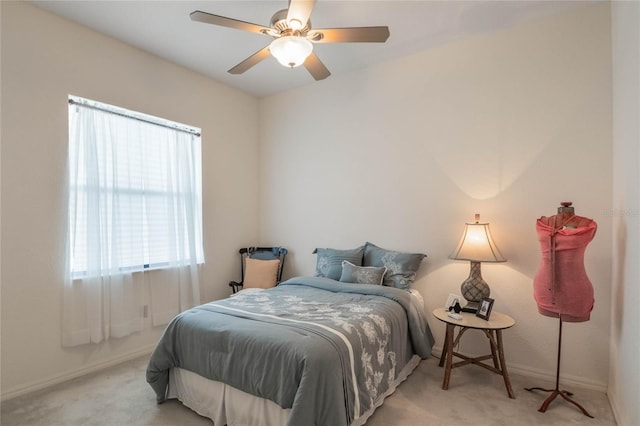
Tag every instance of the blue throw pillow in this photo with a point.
(401, 267)
(362, 274)
(329, 261)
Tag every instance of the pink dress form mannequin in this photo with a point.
(561, 287)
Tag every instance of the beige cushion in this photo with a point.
(260, 273)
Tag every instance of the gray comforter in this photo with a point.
(325, 349)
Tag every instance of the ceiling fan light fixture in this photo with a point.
(291, 51)
(295, 24)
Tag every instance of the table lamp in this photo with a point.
(476, 246)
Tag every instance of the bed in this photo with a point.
(312, 350)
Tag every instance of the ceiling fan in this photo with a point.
(293, 37)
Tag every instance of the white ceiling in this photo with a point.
(164, 28)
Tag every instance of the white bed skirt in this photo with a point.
(224, 404)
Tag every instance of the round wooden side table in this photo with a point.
(492, 329)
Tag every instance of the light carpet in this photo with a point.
(120, 396)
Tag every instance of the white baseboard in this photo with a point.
(527, 371)
(613, 401)
(60, 378)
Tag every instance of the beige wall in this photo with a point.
(44, 59)
(507, 125)
(624, 381)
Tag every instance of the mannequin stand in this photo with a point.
(555, 392)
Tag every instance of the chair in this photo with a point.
(261, 275)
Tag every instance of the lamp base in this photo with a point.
(474, 288)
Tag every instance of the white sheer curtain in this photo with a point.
(134, 205)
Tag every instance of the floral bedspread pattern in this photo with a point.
(359, 322)
(361, 335)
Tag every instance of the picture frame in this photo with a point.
(484, 310)
(451, 300)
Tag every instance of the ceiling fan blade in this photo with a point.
(300, 10)
(350, 35)
(315, 67)
(251, 61)
(209, 18)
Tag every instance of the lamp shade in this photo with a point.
(291, 51)
(476, 244)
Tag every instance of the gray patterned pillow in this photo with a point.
(401, 267)
(362, 274)
(329, 261)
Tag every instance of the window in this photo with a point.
(135, 191)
